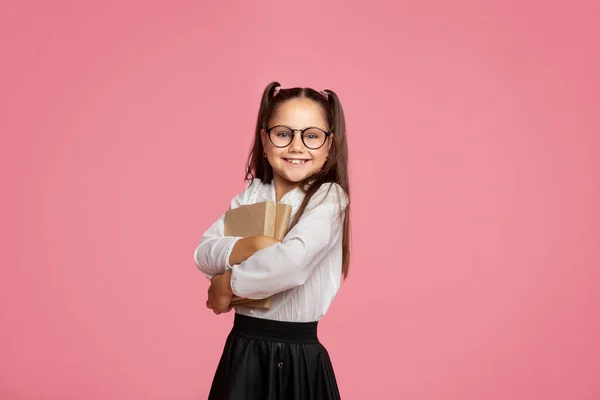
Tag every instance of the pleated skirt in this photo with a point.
(273, 360)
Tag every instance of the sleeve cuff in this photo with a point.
(232, 283)
(228, 251)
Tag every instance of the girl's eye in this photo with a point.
(312, 136)
(283, 134)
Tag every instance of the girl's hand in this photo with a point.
(246, 247)
(260, 242)
(220, 293)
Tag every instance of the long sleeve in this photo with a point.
(290, 263)
(212, 254)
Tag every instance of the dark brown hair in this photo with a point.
(336, 166)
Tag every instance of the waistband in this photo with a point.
(277, 331)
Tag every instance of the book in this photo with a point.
(260, 219)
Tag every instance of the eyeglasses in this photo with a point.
(282, 136)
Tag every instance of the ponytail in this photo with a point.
(258, 166)
(340, 148)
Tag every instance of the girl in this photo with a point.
(299, 157)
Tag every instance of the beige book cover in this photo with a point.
(260, 219)
(251, 220)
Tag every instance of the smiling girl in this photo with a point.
(299, 157)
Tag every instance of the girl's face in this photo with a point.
(295, 162)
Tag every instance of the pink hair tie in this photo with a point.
(324, 94)
(277, 89)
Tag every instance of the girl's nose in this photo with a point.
(297, 144)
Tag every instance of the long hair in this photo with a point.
(335, 168)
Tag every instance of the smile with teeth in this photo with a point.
(295, 161)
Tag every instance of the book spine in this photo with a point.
(270, 216)
(282, 221)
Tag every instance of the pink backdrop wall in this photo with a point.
(474, 139)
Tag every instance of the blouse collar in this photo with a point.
(290, 197)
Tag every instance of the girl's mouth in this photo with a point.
(295, 161)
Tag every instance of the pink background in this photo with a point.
(474, 137)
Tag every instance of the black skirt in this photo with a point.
(272, 360)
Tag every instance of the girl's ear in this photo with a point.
(331, 137)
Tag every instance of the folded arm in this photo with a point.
(288, 264)
(217, 253)
(213, 253)
(219, 292)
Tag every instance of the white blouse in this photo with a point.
(302, 273)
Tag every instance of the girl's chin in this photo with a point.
(294, 178)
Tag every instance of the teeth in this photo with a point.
(296, 161)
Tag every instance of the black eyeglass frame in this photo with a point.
(327, 134)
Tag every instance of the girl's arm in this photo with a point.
(246, 247)
(220, 293)
(217, 253)
(288, 264)
(213, 253)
